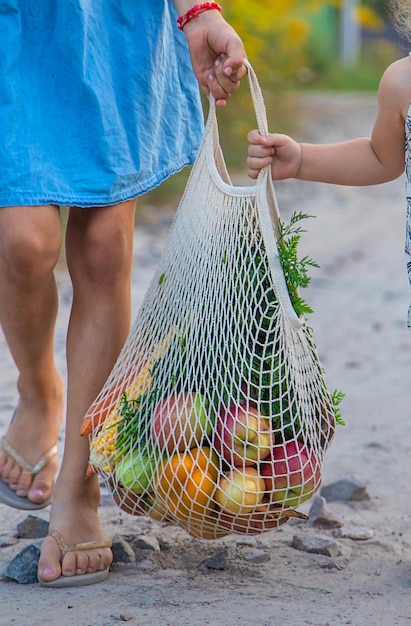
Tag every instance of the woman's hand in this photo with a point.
(217, 55)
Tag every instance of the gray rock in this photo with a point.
(218, 561)
(316, 545)
(320, 516)
(23, 568)
(346, 489)
(357, 533)
(32, 527)
(253, 555)
(146, 542)
(122, 551)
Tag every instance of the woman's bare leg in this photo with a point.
(30, 240)
(99, 251)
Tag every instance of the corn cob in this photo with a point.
(103, 447)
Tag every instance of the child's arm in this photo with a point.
(362, 161)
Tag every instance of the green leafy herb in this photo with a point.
(133, 412)
(295, 269)
(336, 398)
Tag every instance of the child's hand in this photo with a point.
(283, 153)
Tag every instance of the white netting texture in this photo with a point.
(216, 416)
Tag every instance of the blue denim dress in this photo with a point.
(98, 100)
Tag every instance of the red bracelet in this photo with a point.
(195, 12)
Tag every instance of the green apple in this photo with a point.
(135, 470)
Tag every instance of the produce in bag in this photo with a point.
(222, 416)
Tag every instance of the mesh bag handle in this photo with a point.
(266, 200)
(216, 415)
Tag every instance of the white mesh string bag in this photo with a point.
(216, 416)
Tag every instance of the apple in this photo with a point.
(181, 421)
(243, 436)
(292, 473)
(240, 491)
(135, 471)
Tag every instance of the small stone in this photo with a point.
(346, 489)
(320, 517)
(23, 568)
(122, 551)
(218, 561)
(357, 533)
(256, 556)
(126, 617)
(146, 542)
(316, 545)
(32, 527)
(333, 564)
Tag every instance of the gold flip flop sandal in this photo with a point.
(10, 497)
(79, 579)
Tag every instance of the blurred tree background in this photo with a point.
(297, 45)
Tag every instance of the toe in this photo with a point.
(49, 567)
(94, 560)
(22, 483)
(40, 490)
(8, 470)
(42, 483)
(69, 564)
(81, 562)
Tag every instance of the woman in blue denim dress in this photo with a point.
(98, 104)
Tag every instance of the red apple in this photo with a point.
(243, 436)
(292, 473)
(129, 502)
(240, 491)
(181, 421)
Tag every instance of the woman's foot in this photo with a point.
(74, 522)
(31, 436)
